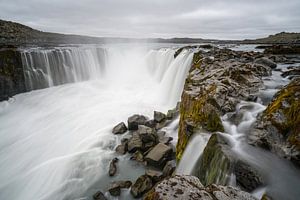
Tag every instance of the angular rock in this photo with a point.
(169, 168)
(158, 156)
(136, 120)
(265, 61)
(147, 134)
(247, 177)
(113, 167)
(181, 187)
(137, 156)
(142, 185)
(123, 147)
(135, 143)
(159, 116)
(115, 188)
(99, 196)
(120, 128)
(154, 175)
(150, 123)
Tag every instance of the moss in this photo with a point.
(216, 163)
(286, 103)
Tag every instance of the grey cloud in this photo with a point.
(230, 19)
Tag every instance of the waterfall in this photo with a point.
(50, 67)
(64, 132)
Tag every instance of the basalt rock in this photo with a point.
(142, 185)
(120, 128)
(113, 167)
(99, 196)
(159, 155)
(278, 127)
(12, 80)
(217, 81)
(180, 187)
(136, 120)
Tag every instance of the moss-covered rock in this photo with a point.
(11, 73)
(278, 128)
(215, 84)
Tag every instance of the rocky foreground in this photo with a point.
(218, 80)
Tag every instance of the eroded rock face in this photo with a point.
(12, 79)
(217, 81)
(190, 188)
(278, 128)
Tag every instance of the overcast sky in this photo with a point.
(222, 19)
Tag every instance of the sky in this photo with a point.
(218, 19)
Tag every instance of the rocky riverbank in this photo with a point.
(219, 79)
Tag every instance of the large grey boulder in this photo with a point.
(142, 185)
(136, 120)
(120, 128)
(180, 187)
(158, 156)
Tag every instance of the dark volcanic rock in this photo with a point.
(181, 187)
(135, 143)
(136, 120)
(247, 177)
(159, 116)
(120, 128)
(158, 156)
(113, 167)
(142, 185)
(12, 79)
(99, 196)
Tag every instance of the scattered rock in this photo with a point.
(147, 134)
(137, 156)
(113, 167)
(115, 188)
(99, 196)
(180, 187)
(120, 128)
(159, 116)
(123, 147)
(169, 168)
(136, 120)
(142, 185)
(150, 123)
(154, 175)
(158, 156)
(135, 143)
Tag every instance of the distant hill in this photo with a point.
(279, 38)
(12, 33)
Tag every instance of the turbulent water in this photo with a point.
(56, 142)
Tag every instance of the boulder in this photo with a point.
(120, 128)
(136, 120)
(158, 156)
(154, 175)
(159, 116)
(115, 188)
(147, 134)
(142, 185)
(135, 143)
(150, 123)
(113, 167)
(169, 168)
(137, 156)
(123, 147)
(247, 177)
(185, 187)
(266, 61)
(99, 196)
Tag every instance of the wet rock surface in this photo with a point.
(278, 127)
(142, 185)
(190, 188)
(120, 128)
(113, 167)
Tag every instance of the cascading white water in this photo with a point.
(50, 67)
(56, 143)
